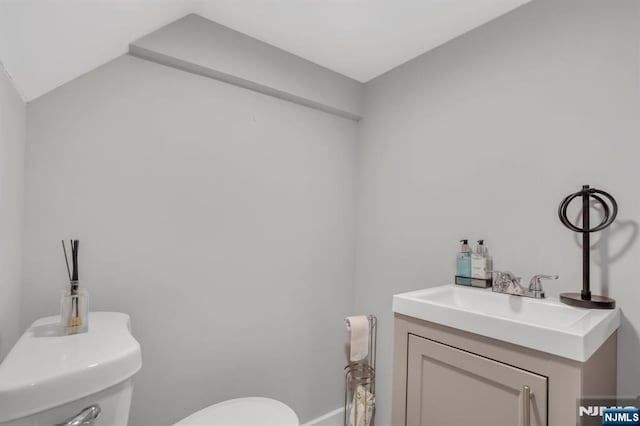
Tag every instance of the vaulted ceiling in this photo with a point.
(46, 43)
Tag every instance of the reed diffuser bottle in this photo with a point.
(74, 306)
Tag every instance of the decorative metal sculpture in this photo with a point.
(585, 299)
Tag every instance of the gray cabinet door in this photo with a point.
(451, 387)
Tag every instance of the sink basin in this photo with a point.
(543, 324)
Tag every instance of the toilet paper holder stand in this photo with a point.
(360, 384)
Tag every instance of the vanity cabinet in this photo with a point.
(448, 386)
(448, 377)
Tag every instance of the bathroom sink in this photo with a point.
(543, 324)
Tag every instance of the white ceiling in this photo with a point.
(45, 43)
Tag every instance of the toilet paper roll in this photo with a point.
(358, 327)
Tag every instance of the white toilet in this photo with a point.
(50, 379)
(244, 412)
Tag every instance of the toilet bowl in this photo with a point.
(252, 411)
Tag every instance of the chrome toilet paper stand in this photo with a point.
(360, 377)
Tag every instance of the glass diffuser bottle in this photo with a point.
(74, 309)
(74, 306)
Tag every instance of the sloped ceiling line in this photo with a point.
(203, 47)
(162, 59)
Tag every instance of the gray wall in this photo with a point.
(12, 141)
(220, 219)
(482, 137)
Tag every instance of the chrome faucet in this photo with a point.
(506, 282)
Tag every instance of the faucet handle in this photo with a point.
(504, 275)
(505, 278)
(507, 275)
(536, 285)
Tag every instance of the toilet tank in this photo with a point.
(48, 378)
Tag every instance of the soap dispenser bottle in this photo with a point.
(481, 266)
(463, 264)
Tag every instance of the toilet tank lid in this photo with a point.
(46, 369)
(253, 411)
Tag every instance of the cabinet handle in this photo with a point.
(526, 405)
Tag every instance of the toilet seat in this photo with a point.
(254, 411)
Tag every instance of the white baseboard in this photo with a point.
(332, 418)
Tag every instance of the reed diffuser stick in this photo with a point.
(66, 260)
(75, 245)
